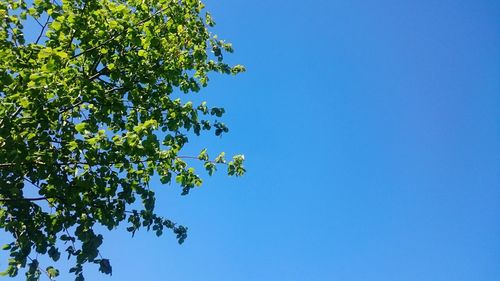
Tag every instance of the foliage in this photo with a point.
(88, 116)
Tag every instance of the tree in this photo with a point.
(89, 115)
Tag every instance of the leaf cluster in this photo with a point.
(89, 114)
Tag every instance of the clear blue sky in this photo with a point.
(372, 136)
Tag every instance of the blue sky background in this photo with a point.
(371, 131)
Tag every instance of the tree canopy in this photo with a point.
(91, 109)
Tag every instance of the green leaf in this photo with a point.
(35, 77)
(179, 178)
(80, 127)
(45, 53)
(113, 24)
(52, 272)
(165, 179)
(221, 158)
(210, 167)
(54, 253)
(203, 155)
(105, 267)
(55, 25)
(62, 55)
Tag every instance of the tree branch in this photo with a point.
(41, 31)
(98, 74)
(23, 199)
(6, 165)
(13, 115)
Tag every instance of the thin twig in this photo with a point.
(43, 29)
(16, 112)
(194, 157)
(13, 115)
(23, 199)
(98, 74)
(41, 25)
(39, 268)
